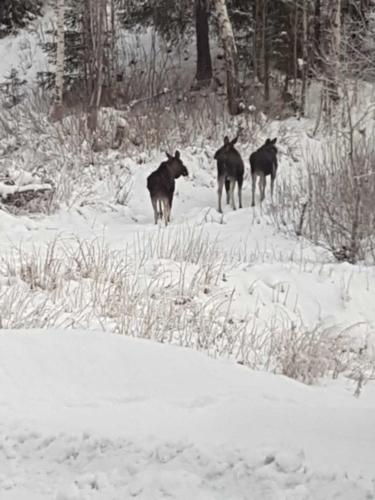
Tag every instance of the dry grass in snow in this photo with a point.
(171, 287)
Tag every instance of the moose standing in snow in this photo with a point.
(230, 169)
(263, 162)
(161, 184)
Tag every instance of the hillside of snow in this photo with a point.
(85, 415)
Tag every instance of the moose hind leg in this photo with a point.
(239, 182)
(227, 190)
(253, 186)
(160, 212)
(166, 211)
(272, 187)
(220, 184)
(232, 185)
(262, 186)
(154, 202)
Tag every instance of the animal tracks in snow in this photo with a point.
(84, 467)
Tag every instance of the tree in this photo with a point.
(331, 12)
(89, 55)
(97, 14)
(230, 56)
(171, 19)
(204, 65)
(305, 56)
(60, 61)
(16, 14)
(266, 51)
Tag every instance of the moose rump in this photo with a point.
(263, 163)
(230, 169)
(161, 186)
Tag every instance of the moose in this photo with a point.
(263, 162)
(161, 185)
(230, 169)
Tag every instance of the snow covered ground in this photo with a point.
(88, 415)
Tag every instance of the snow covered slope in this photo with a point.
(84, 415)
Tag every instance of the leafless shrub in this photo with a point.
(306, 355)
(310, 355)
(150, 69)
(122, 189)
(333, 203)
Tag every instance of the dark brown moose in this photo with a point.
(161, 185)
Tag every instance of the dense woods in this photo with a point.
(264, 51)
(15, 14)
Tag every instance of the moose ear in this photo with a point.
(177, 154)
(268, 141)
(274, 140)
(168, 155)
(226, 140)
(233, 141)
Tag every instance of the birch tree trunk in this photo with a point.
(230, 55)
(60, 57)
(98, 19)
(331, 12)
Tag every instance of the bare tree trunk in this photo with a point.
(86, 14)
(305, 57)
(204, 64)
(332, 43)
(102, 15)
(230, 54)
(98, 17)
(317, 32)
(295, 52)
(265, 51)
(113, 54)
(57, 112)
(258, 59)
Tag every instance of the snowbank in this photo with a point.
(88, 415)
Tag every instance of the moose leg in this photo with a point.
(253, 186)
(232, 185)
(239, 181)
(262, 186)
(154, 202)
(166, 211)
(227, 189)
(220, 184)
(160, 213)
(170, 205)
(272, 186)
